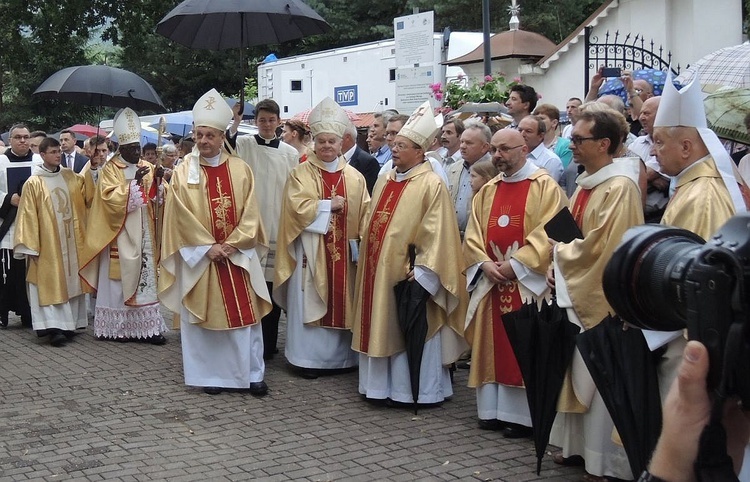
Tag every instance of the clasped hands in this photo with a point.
(498, 271)
(220, 252)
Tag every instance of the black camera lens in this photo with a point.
(643, 280)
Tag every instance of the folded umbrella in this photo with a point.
(543, 341)
(624, 371)
(411, 310)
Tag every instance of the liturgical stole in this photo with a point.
(337, 259)
(505, 227)
(234, 283)
(379, 223)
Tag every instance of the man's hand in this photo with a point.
(596, 83)
(228, 250)
(551, 277)
(216, 253)
(506, 269)
(627, 81)
(159, 172)
(141, 173)
(236, 112)
(15, 199)
(687, 410)
(492, 271)
(337, 203)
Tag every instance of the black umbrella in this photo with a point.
(411, 309)
(237, 24)
(543, 342)
(624, 370)
(101, 85)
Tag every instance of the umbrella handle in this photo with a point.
(412, 256)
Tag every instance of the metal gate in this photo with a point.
(628, 54)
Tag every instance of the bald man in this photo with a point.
(501, 277)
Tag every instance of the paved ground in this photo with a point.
(108, 411)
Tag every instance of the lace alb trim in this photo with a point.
(141, 322)
(136, 197)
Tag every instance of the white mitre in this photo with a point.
(127, 127)
(328, 118)
(421, 126)
(685, 108)
(212, 111)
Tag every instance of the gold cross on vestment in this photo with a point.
(222, 205)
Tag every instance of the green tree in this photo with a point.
(38, 39)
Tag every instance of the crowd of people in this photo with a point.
(227, 231)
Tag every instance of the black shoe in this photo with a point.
(514, 430)
(4, 320)
(258, 389)
(308, 373)
(494, 425)
(212, 390)
(57, 339)
(156, 340)
(69, 334)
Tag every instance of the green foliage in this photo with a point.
(42, 36)
(456, 93)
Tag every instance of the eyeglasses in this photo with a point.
(578, 140)
(505, 148)
(403, 146)
(21, 138)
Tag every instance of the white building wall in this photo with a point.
(366, 66)
(690, 29)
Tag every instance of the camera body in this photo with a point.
(663, 278)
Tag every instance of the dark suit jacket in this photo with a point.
(78, 163)
(367, 165)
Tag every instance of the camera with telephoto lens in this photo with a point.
(666, 279)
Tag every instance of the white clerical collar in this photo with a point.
(400, 176)
(590, 181)
(267, 141)
(522, 174)
(683, 173)
(212, 161)
(42, 171)
(330, 166)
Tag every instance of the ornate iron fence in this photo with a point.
(629, 54)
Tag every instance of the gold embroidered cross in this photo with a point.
(210, 103)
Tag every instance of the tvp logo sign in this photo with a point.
(345, 95)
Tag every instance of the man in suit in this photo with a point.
(358, 158)
(475, 146)
(71, 158)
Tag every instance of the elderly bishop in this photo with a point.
(325, 200)
(211, 270)
(410, 206)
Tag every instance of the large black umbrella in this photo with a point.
(101, 85)
(543, 341)
(237, 24)
(624, 371)
(232, 24)
(411, 310)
